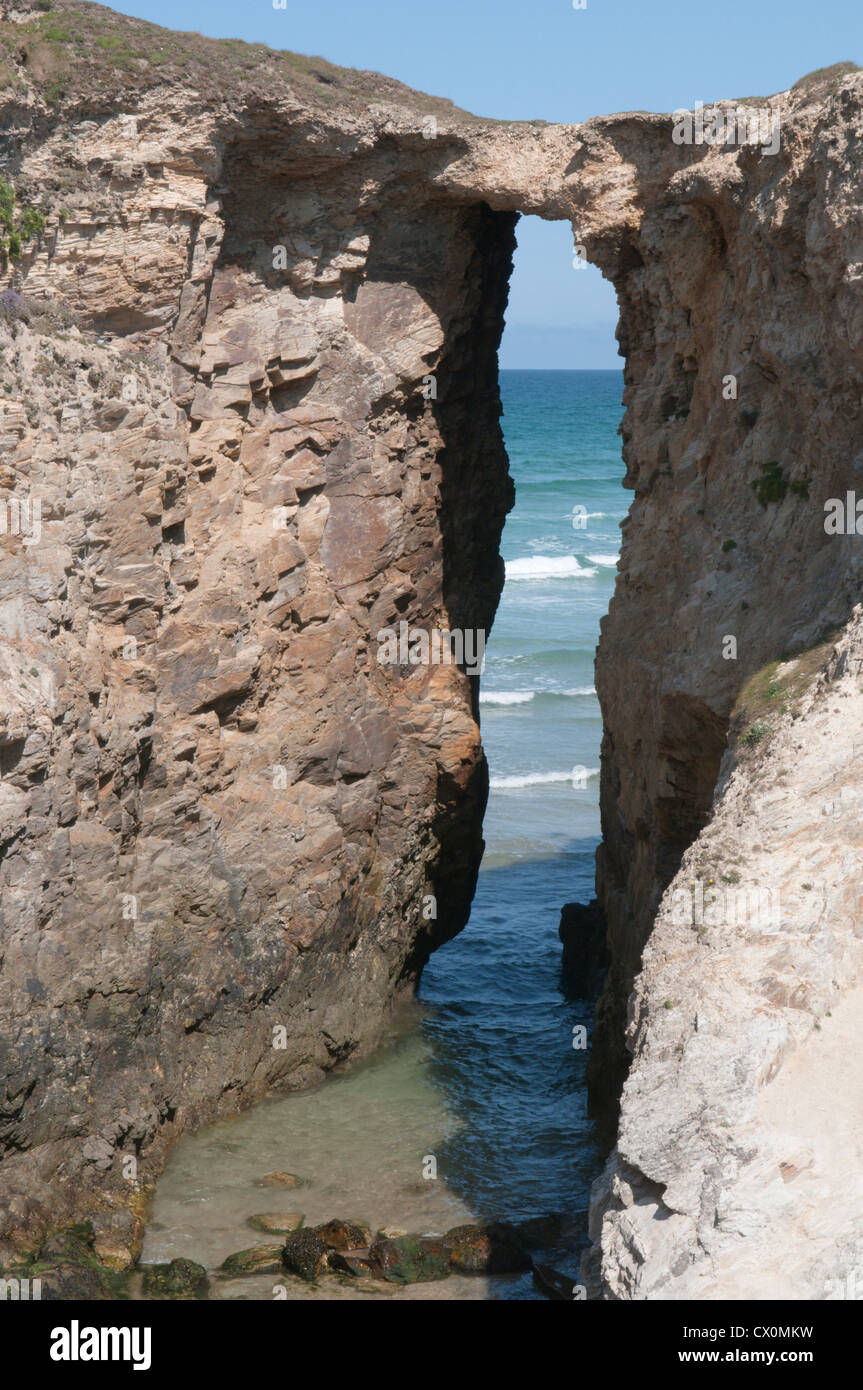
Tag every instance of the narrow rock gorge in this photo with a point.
(250, 375)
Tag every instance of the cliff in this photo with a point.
(737, 1170)
(250, 376)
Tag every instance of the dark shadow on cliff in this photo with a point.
(457, 259)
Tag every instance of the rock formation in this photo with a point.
(737, 1172)
(250, 377)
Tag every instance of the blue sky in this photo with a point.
(522, 59)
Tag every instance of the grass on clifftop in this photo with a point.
(84, 56)
(828, 78)
(75, 52)
(820, 82)
(773, 691)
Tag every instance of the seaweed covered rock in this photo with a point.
(305, 1254)
(411, 1259)
(69, 1268)
(180, 1279)
(65, 1282)
(259, 1259)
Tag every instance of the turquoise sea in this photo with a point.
(501, 1021)
(482, 1076)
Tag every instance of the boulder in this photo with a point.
(260, 1259)
(305, 1254)
(180, 1279)
(490, 1248)
(344, 1235)
(66, 1282)
(276, 1222)
(411, 1259)
(69, 1268)
(355, 1262)
(280, 1180)
(582, 932)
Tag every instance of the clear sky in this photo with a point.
(524, 59)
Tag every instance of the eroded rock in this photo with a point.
(221, 813)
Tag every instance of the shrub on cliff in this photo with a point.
(17, 226)
(14, 308)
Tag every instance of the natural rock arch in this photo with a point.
(275, 803)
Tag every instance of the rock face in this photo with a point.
(738, 1167)
(231, 835)
(264, 429)
(751, 269)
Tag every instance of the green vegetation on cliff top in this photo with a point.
(85, 55)
(777, 689)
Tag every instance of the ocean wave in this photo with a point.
(541, 779)
(522, 697)
(506, 697)
(547, 567)
(603, 559)
(549, 656)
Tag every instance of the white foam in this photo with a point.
(523, 697)
(506, 697)
(603, 559)
(547, 567)
(576, 776)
